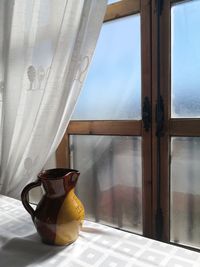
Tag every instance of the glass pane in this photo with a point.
(185, 60)
(185, 190)
(110, 184)
(113, 1)
(112, 89)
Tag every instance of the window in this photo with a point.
(111, 178)
(105, 138)
(135, 132)
(114, 78)
(179, 81)
(185, 64)
(111, 162)
(113, 1)
(185, 195)
(185, 110)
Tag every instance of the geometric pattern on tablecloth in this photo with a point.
(97, 246)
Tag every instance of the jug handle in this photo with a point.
(24, 196)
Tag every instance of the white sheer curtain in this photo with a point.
(45, 48)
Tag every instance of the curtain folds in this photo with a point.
(45, 47)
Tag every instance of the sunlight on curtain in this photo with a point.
(112, 89)
(47, 47)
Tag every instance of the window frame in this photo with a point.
(189, 127)
(173, 127)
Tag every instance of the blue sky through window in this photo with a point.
(112, 1)
(112, 89)
(186, 59)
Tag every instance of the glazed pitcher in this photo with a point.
(59, 215)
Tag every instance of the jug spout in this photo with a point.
(70, 180)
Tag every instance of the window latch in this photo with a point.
(146, 114)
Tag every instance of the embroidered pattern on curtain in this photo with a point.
(46, 47)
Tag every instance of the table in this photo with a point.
(97, 245)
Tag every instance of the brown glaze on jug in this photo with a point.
(59, 214)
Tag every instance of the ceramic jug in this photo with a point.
(59, 215)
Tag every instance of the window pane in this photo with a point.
(113, 1)
(185, 46)
(185, 190)
(111, 180)
(112, 89)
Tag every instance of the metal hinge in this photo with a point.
(146, 114)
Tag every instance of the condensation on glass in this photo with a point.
(185, 190)
(110, 184)
(112, 89)
(185, 59)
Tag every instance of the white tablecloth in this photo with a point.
(98, 245)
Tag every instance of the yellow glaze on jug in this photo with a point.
(69, 220)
